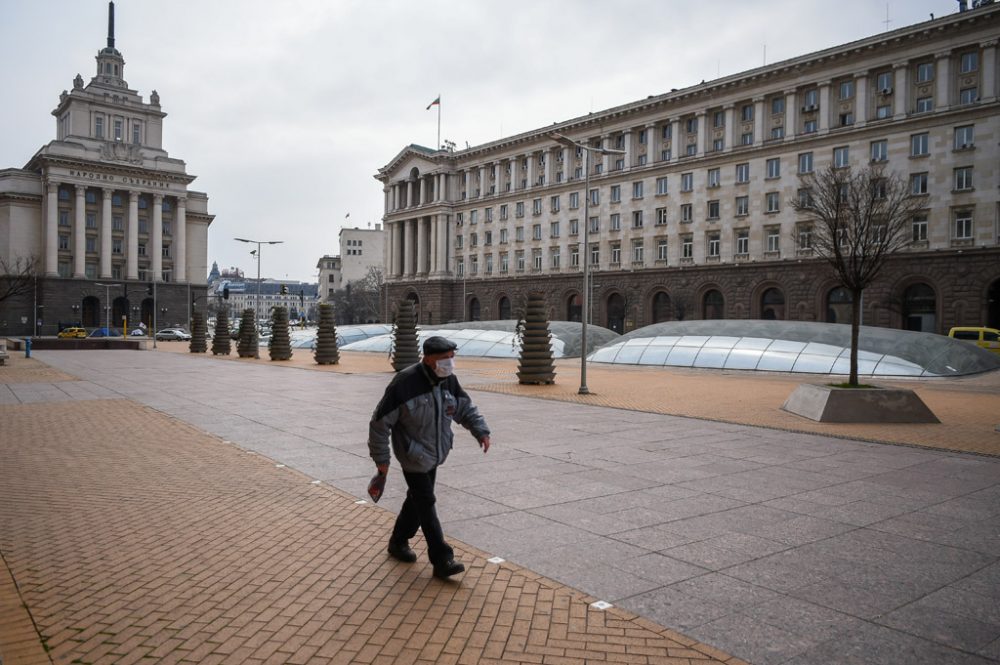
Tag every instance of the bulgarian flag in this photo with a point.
(436, 102)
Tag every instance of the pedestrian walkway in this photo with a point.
(771, 545)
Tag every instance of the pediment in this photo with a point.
(401, 167)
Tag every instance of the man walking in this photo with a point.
(415, 414)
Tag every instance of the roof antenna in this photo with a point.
(111, 25)
(886, 21)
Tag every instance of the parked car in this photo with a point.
(72, 333)
(986, 338)
(173, 334)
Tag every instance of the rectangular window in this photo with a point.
(642, 137)
(637, 190)
(619, 164)
(742, 173)
(63, 242)
(846, 89)
(969, 62)
(883, 83)
(64, 269)
(963, 224)
(687, 246)
(503, 211)
(595, 224)
(488, 214)
(743, 241)
(691, 149)
(925, 72)
(963, 178)
(805, 197)
(665, 155)
(687, 182)
(118, 129)
(504, 262)
(554, 258)
(686, 213)
(595, 197)
(805, 237)
(616, 193)
(166, 232)
(574, 200)
(136, 132)
(165, 250)
(116, 271)
(692, 125)
(487, 239)
(746, 138)
(714, 178)
(920, 227)
(554, 230)
(638, 252)
(91, 220)
(90, 271)
(777, 132)
(841, 157)
(919, 145)
(774, 167)
(636, 219)
(772, 202)
(574, 227)
(519, 209)
(667, 132)
(519, 234)
(661, 249)
(809, 127)
(661, 185)
(846, 119)
(880, 150)
(777, 105)
(742, 206)
(519, 257)
(91, 244)
(925, 104)
(142, 249)
(918, 183)
(99, 127)
(883, 111)
(718, 145)
(489, 264)
(116, 245)
(536, 207)
(616, 253)
(968, 95)
(773, 239)
(661, 216)
(718, 119)
(806, 162)
(459, 241)
(595, 255)
(536, 259)
(712, 211)
(746, 112)
(964, 137)
(616, 222)
(574, 256)
(503, 236)
(810, 99)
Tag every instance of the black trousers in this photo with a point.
(418, 512)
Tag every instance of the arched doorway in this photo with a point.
(574, 308)
(993, 305)
(661, 307)
(503, 308)
(475, 309)
(146, 313)
(838, 305)
(616, 313)
(119, 310)
(713, 305)
(919, 308)
(772, 305)
(90, 312)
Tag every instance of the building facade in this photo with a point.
(331, 277)
(691, 215)
(299, 298)
(105, 213)
(361, 250)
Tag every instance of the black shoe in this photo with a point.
(447, 569)
(401, 552)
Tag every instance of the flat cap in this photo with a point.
(436, 344)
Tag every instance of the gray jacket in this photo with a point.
(415, 414)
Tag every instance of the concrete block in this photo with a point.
(828, 404)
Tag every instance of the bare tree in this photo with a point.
(360, 301)
(857, 219)
(17, 277)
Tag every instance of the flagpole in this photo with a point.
(439, 122)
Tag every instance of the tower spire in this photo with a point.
(111, 24)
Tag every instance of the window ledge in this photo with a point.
(804, 252)
(687, 261)
(963, 191)
(963, 242)
(919, 244)
(713, 259)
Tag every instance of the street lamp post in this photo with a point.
(257, 308)
(584, 390)
(107, 305)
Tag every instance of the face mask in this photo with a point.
(444, 367)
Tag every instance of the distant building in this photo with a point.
(330, 277)
(361, 250)
(106, 212)
(300, 298)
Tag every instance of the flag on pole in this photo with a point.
(347, 215)
(436, 102)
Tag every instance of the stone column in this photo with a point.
(105, 270)
(988, 93)
(675, 141)
(532, 161)
(482, 181)
(942, 80)
(180, 240)
(549, 171)
(652, 144)
(606, 158)
(432, 245)
(791, 108)
(132, 234)
(628, 156)
(422, 246)
(730, 133)
(409, 194)
(824, 106)
(392, 271)
(861, 99)
(442, 240)
(394, 193)
(758, 121)
(901, 90)
(700, 134)
(409, 243)
(79, 232)
(157, 238)
(52, 229)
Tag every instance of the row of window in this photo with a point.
(117, 222)
(65, 269)
(117, 200)
(117, 246)
(114, 128)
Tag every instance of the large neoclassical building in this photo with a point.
(106, 214)
(691, 217)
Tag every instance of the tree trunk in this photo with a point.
(855, 331)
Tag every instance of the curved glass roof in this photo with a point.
(795, 346)
(477, 343)
(306, 339)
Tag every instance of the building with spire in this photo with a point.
(106, 214)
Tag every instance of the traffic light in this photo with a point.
(225, 293)
(284, 289)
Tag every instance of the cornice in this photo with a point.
(8, 197)
(40, 161)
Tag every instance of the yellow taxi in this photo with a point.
(72, 333)
(986, 338)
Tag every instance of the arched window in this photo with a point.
(574, 308)
(661, 307)
(919, 308)
(713, 305)
(616, 313)
(503, 308)
(475, 310)
(772, 305)
(838, 305)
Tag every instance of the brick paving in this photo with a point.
(136, 538)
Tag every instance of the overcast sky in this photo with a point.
(286, 109)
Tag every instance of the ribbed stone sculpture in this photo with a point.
(327, 352)
(220, 342)
(246, 346)
(280, 344)
(404, 337)
(198, 332)
(536, 364)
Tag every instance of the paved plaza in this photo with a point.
(163, 507)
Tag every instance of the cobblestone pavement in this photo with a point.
(772, 545)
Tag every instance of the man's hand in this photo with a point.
(382, 468)
(484, 443)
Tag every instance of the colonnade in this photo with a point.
(419, 246)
